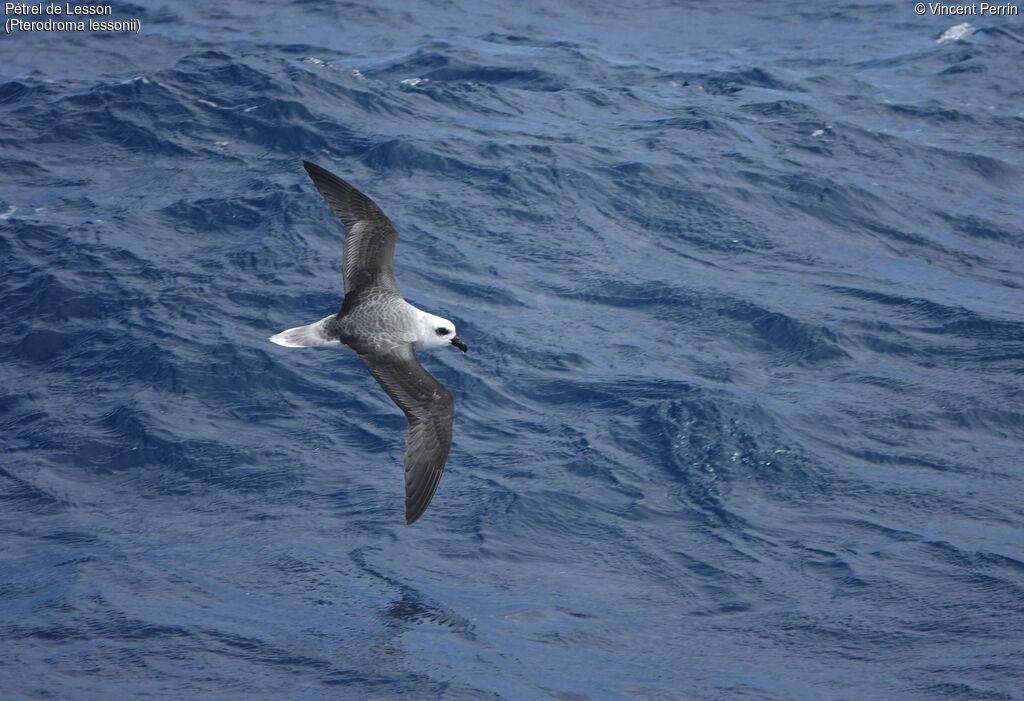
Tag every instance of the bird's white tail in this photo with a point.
(304, 336)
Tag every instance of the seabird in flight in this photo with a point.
(386, 331)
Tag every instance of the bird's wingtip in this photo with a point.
(414, 511)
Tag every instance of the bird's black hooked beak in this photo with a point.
(457, 342)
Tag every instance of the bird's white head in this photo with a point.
(436, 332)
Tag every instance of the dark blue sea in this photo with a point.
(742, 415)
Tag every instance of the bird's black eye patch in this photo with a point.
(441, 331)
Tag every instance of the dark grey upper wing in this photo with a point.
(370, 236)
(430, 409)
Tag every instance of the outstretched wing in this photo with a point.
(429, 408)
(370, 236)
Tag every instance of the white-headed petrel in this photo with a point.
(385, 331)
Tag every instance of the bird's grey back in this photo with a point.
(375, 313)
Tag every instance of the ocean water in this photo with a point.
(742, 415)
